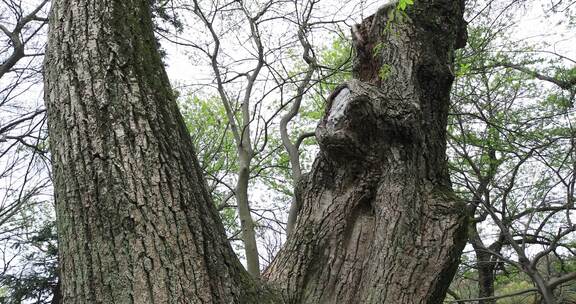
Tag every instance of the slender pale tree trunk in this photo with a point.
(241, 132)
(243, 201)
(135, 222)
(379, 222)
(296, 173)
(292, 148)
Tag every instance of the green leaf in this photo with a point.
(403, 4)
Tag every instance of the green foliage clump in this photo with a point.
(215, 148)
(38, 279)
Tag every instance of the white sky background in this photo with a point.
(30, 171)
(533, 27)
(183, 70)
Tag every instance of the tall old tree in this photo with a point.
(135, 222)
(378, 223)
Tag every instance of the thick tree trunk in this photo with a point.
(486, 280)
(379, 222)
(135, 222)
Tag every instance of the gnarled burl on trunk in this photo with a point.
(379, 222)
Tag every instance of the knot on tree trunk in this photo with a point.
(362, 122)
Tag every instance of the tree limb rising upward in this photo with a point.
(378, 223)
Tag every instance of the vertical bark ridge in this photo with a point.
(379, 222)
(135, 222)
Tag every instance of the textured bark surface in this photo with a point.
(379, 222)
(135, 222)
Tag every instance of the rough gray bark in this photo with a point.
(135, 222)
(379, 222)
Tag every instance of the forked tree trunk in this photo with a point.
(135, 222)
(379, 222)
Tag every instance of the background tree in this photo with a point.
(28, 264)
(257, 76)
(511, 141)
